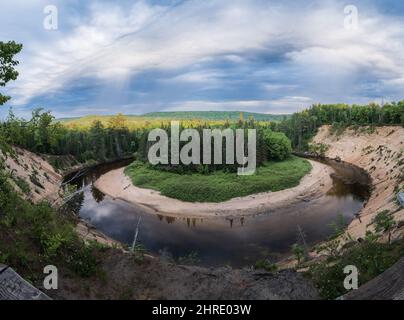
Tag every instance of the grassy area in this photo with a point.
(219, 186)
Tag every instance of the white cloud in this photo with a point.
(198, 77)
(113, 44)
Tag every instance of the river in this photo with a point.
(218, 241)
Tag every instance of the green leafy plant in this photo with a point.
(384, 222)
(299, 253)
(266, 264)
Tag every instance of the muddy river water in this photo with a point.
(218, 241)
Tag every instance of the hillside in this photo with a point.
(216, 115)
(134, 121)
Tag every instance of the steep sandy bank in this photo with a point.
(44, 185)
(34, 171)
(116, 184)
(381, 154)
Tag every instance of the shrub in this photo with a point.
(266, 264)
(279, 147)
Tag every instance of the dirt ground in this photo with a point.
(123, 278)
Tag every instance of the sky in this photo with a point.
(269, 56)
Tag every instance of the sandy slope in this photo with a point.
(381, 154)
(47, 188)
(315, 184)
(31, 167)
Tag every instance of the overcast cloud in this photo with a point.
(264, 56)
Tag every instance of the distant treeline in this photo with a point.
(43, 135)
(216, 115)
(302, 126)
(112, 139)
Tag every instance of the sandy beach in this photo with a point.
(314, 185)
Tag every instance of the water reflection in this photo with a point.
(97, 194)
(236, 241)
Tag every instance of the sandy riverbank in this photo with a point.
(381, 154)
(314, 185)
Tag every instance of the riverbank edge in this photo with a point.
(375, 154)
(312, 186)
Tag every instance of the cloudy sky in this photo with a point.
(266, 56)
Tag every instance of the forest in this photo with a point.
(42, 134)
(303, 125)
(115, 139)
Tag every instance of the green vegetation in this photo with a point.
(7, 65)
(299, 253)
(215, 115)
(34, 235)
(191, 258)
(269, 146)
(219, 186)
(22, 184)
(318, 149)
(231, 116)
(42, 134)
(276, 145)
(266, 264)
(370, 257)
(302, 126)
(384, 223)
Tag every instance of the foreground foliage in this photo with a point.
(35, 235)
(7, 65)
(371, 257)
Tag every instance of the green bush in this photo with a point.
(279, 147)
(22, 184)
(265, 264)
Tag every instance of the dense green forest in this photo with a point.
(269, 146)
(43, 135)
(302, 126)
(114, 139)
